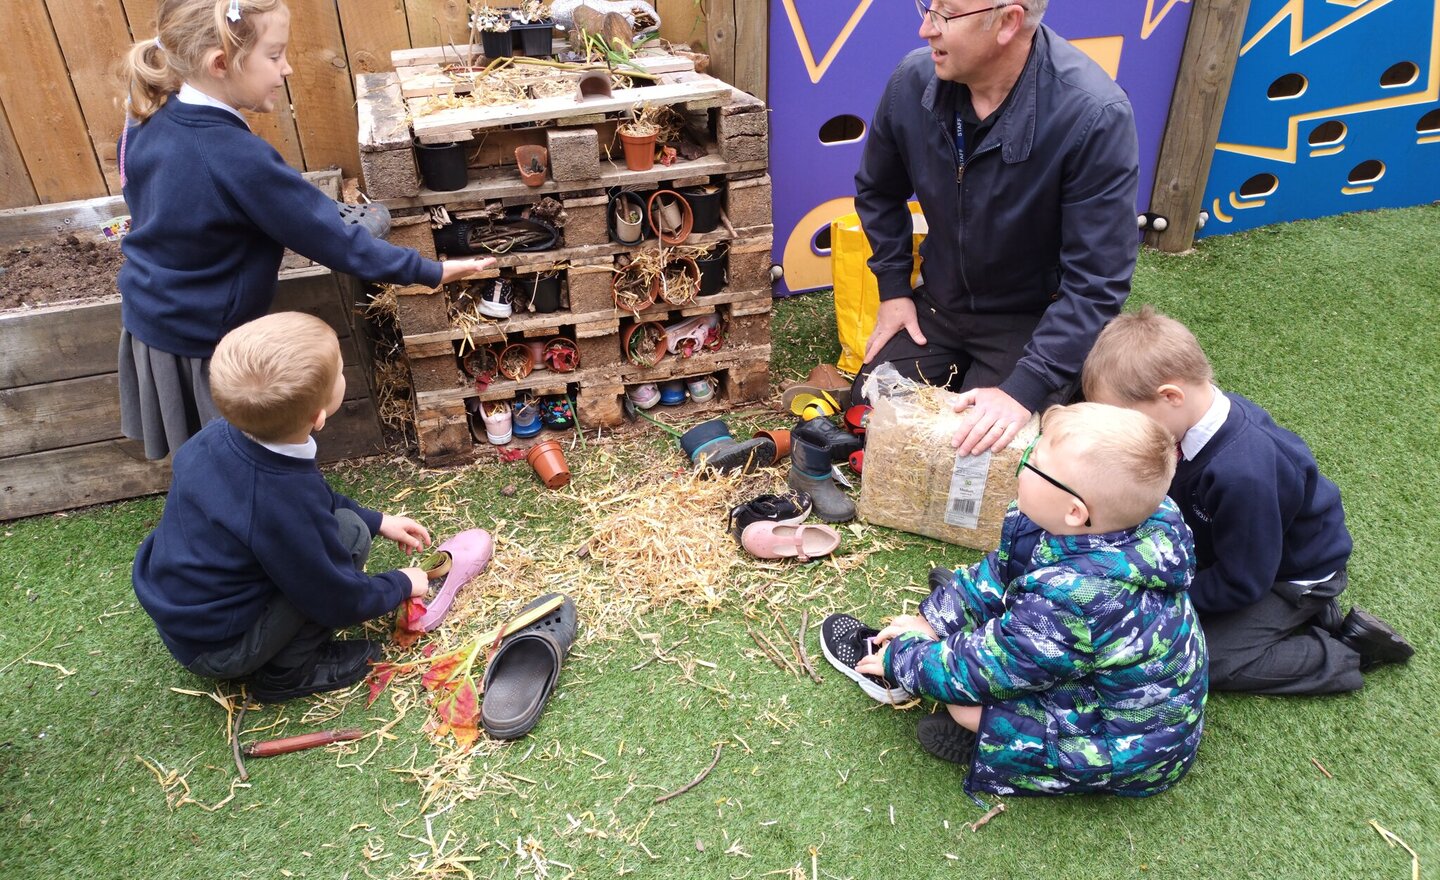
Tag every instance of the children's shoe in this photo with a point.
(1373, 639)
(700, 389)
(672, 393)
(768, 540)
(498, 299)
(844, 641)
(945, 738)
(525, 420)
(497, 419)
(789, 509)
(555, 413)
(339, 664)
(644, 396)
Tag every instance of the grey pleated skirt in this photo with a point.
(164, 398)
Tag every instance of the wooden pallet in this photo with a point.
(423, 72)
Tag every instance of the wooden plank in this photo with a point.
(94, 38)
(424, 80)
(81, 475)
(59, 342)
(752, 47)
(681, 21)
(321, 88)
(446, 124)
(372, 29)
(15, 187)
(45, 117)
(140, 14)
(438, 22)
(1207, 65)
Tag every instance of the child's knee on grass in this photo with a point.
(967, 717)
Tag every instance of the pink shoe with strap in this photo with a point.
(469, 552)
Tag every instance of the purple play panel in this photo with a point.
(831, 58)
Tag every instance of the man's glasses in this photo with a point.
(938, 20)
(1026, 465)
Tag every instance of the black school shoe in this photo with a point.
(944, 737)
(789, 509)
(339, 665)
(1373, 639)
(843, 642)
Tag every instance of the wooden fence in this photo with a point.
(62, 99)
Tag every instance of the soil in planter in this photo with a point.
(60, 270)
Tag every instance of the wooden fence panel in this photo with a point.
(95, 36)
(141, 16)
(44, 113)
(373, 29)
(736, 37)
(321, 88)
(437, 22)
(16, 191)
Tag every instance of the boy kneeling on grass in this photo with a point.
(1270, 536)
(256, 560)
(1070, 659)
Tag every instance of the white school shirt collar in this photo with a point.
(191, 95)
(294, 450)
(1210, 423)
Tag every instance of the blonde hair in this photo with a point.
(1138, 352)
(1125, 459)
(186, 32)
(270, 376)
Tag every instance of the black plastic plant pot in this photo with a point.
(712, 271)
(536, 39)
(544, 293)
(704, 207)
(496, 44)
(442, 166)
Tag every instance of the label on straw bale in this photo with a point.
(967, 490)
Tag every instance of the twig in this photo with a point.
(235, 738)
(1321, 768)
(694, 782)
(769, 651)
(991, 814)
(795, 647)
(804, 654)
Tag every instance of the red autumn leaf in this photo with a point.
(429, 650)
(511, 454)
(465, 734)
(407, 622)
(379, 679)
(461, 707)
(441, 670)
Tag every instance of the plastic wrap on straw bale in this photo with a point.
(914, 480)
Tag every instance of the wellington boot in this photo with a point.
(810, 472)
(837, 442)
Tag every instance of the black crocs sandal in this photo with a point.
(372, 216)
(522, 673)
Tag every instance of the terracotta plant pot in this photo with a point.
(644, 344)
(781, 438)
(670, 216)
(594, 85)
(627, 294)
(639, 150)
(548, 460)
(680, 282)
(533, 161)
(516, 362)
(561, 355)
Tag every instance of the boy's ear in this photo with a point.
(1078, 513)
(1171, 395)
(319, 423)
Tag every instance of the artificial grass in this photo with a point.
(1325, 323)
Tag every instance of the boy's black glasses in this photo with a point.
(938, 20)
(1026, 465)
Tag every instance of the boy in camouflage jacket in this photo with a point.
(1072, 651)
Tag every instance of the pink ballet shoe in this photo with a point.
(469, 552)
(772, 540)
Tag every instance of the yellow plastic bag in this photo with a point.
(857, 294)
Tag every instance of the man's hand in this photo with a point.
(455, 270)
(419, 586)
(405, 532)
(992, 421)
(894, 315)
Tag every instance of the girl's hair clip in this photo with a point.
(234, 13)
(157, 43)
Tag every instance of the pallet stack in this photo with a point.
(580, 137)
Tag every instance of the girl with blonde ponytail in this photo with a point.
(213, 207)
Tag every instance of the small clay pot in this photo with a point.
(617, 282)
(651, 330)
(548, 460)
(670, 216)
(639, 150)
(781, 438)
(532, 160)
(561, 355)
(680, 282)
(516, 361)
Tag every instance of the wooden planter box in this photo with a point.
(60, 441)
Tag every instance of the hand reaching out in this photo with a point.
(407, 534)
